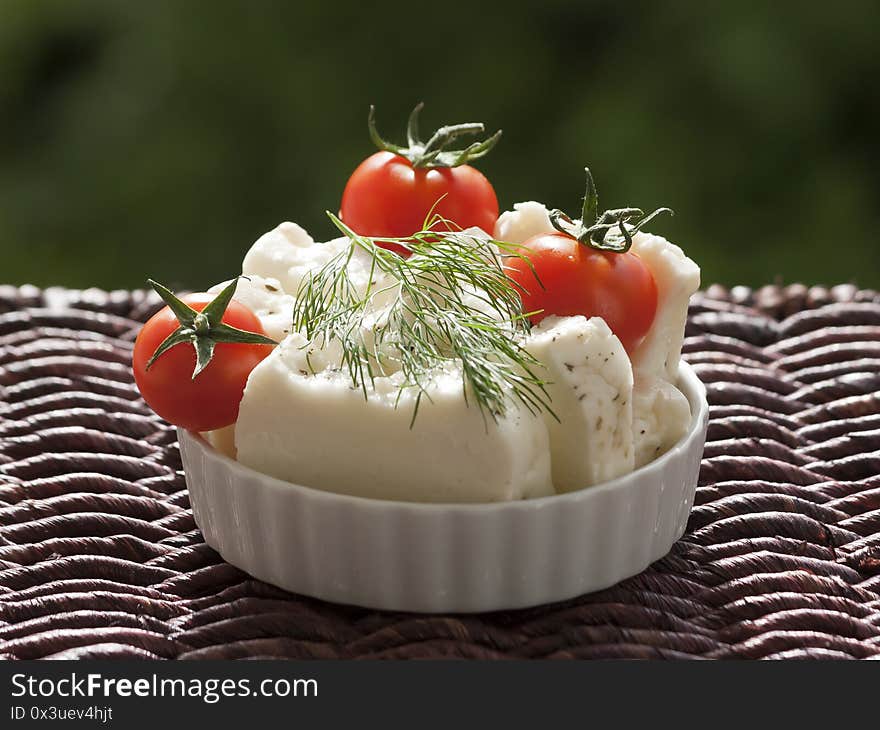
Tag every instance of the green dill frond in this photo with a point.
(450, 300)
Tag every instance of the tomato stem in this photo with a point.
(205, 329)
(433, 153)
(612, 230)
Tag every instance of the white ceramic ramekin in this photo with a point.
(446, 557)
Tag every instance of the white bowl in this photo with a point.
(406, 556)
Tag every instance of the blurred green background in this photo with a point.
(162, 138)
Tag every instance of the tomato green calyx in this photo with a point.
(433, 153)
(205, 329)
(612, 230)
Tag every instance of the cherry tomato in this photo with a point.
(577, 279)
(211, 400)
(386, 197)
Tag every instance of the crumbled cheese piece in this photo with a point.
(288, 254)
(591, 390)
(661, 416)
(527, 219)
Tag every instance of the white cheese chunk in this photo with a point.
(527, 219)
(591, 391)
(288, 254)
(317, 430)
(661, 412)
(661, 416)
(222, 439)
(677, 278)
(284, 253)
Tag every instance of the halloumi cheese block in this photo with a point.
(661, 412)
(310, 426)
(591, 391)
(677, 278)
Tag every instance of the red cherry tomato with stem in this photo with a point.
(211, 398)
(575, 279)
(586, 267)
(394, 192)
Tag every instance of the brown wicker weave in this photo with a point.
(100, 557)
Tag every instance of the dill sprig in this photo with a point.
(449, 300)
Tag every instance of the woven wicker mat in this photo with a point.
(100, 557)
